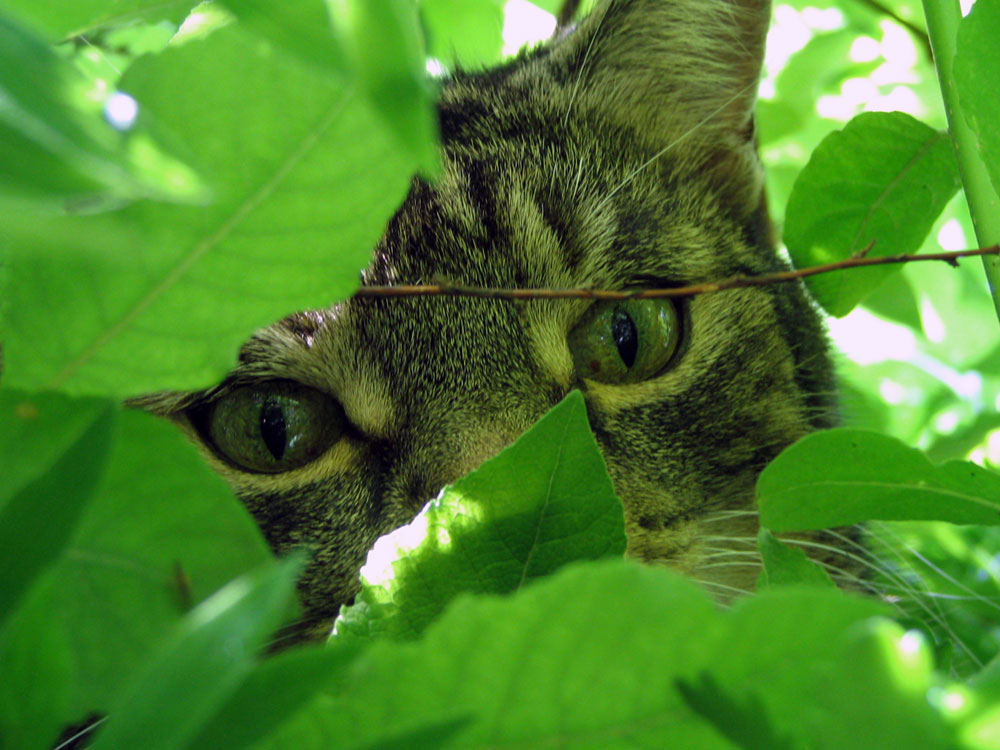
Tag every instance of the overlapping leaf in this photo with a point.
(883, 179)
(156, 296)
(543, 502)
(843, 476)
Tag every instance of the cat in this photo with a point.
(621, 154)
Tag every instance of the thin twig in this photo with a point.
(451, 290)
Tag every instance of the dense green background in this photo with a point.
(280, 137)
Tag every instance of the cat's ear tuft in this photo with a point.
(683, 73)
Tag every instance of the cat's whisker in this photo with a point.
(722, 586)
(742, 92)
(946, 576)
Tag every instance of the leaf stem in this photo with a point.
(943, 19)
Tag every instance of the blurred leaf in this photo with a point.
(61, 19)
(38, 521)
(383, 40)
(56, 141)
(36, 430)
(896, 299)
(160, 533)
(273, 692)
(301, 27)
(878, 698)
(579, 659)
(202, 663)
(884, 178)
(784, 565)
(782, 646)
(157, 296)
(542, 502)
(872, 477)
(463, 33)
(745, 722)
(977, 79)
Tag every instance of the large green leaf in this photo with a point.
(64, 18)
(160, 534)
(463, 33)
(199, 666)
(38, 521)
(602, 654)
(542, 502)
(301, 27)
(382, 39)
(585, 659)
(157, 296)
(884, 178)
(977, 79)
(273, 692)
(56, 141)
(35, 430)
(843, 476)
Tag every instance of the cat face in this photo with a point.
(621, 155)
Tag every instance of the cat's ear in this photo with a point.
(684, 73)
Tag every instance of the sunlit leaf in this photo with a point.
(542, 502)
(301, 27)
(883, 179)
(383, 41)
(62, 19)
(156, 296)
(872, 477)
(57, 139)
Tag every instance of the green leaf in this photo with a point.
(778, 650)
(273, 692)
(884, 178)
(62, 19)
(463, 33)
(542, 502)
(37, 523)
(977, 79)
(843, 476)
(202, 663)
(161, 532)
(57, 141)
(383, 40)
(745, 722)
(301, 27)
(586, 658)
(305, 178)
(878, 697)
(35, 430)
(784, 565)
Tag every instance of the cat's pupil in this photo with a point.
(273, 428)
(625, 336)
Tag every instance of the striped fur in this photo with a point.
(620, 154)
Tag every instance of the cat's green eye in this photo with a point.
(273, 427)
(625, 341)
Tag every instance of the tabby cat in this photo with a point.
(619, 155)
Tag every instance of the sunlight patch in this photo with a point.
(525, 23)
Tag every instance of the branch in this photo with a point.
(857, 261)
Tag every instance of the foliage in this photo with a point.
(267, 137)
